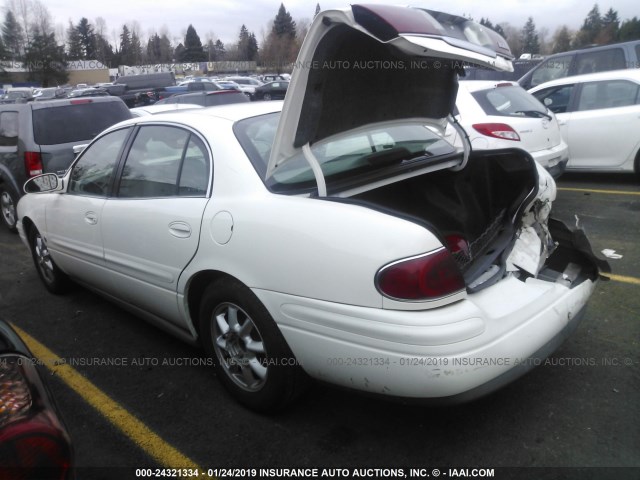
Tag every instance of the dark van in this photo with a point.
(616, 56)
(39, 137)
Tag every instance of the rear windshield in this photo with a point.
(508, 101)
(75, 123)
(342, 157)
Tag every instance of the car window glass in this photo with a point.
(557, 67)
(555, 99)
(607, 94)
(91, 175)
(509, 101)
(8, 129)
(600, 61)
(153, 162)
(194, 176)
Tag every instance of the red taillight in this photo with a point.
(32, 163)
(497, 130)
(458, 244)
(426, 277)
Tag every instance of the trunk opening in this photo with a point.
(481, 205)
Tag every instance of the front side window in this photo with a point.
(557, 98)
(165, 162)
(600, 61)
(92, 173)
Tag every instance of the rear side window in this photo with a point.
(225, 98)
(608, 94)
(556, 98)
(600, 61)
(8, 129)
(508, 102)
(76, 122)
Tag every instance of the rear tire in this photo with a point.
(54, 279)
(253, 360)
(266, 96)
(8, 203)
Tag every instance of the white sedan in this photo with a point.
(599, 116)
(501, 114)
(337, 236)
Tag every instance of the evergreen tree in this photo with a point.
(252, 47)
(283, 24)
(45, 60)
(125, 47)
(166, 50)
(104, 52)
(87, 39)
(136, 49)
(629, 30)
(219, 52)
(154, 53)
(179, 52)
(74, 47)
(193, 50)
(561, 40)
(13, 36)
(610, 28)
(243, 43)
(590, 28)
(530, 42)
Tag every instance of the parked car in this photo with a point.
(163, 108)
(206, 99)
(599, 116)
(580, 62)
(39, 137)
(271, 91)
(325, 236)
(18, 95)
(88, 92)
(503, 115)
(143, 89)
(51, 93)
(34, 442)
(247, 85)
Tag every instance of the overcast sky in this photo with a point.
(222, 18)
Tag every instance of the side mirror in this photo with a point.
(548, 101)
(48, 182)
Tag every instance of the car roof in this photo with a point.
(628, 74)
(232, 112)
(475, 85)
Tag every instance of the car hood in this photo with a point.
(376, 63)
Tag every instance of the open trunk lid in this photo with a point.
(377, 64)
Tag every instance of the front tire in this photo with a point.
(253, 360)
(266, 96)
(54, 279)
(8, 213)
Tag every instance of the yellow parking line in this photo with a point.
(623, 279)
(590, 190)
(143, 436)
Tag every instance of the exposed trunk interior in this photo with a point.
(481, 204)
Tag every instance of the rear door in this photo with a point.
(151, 227)
(607, 110)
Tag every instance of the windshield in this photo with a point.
(361, 152)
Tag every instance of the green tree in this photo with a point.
(136, 49)
(13, 36)
(590, 28)
(193, 50)
(74, 47)
(45, 60)
(629, 30)
(529, 36)
(283, 24)
(104, 52)
(561, 40)
(610, 28)
(125, 52)
(87, 39)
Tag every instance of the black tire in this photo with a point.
(266, 96)
(252, 358)
(8, 202)
(54, 279)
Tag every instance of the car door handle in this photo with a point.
(91, 218)
(180, 229)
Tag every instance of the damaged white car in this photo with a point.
(337, 236)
